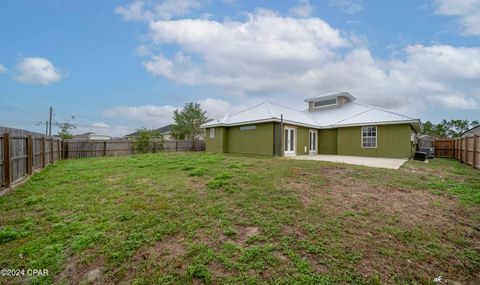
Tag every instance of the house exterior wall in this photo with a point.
(218, 143)
(277, 139)
(302, 140)
(392, 141)
(327, 141)
(256, 141)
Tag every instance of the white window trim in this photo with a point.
(362, 137)
(323, 106)
(316, 142)
(294, 152)
(212, 133)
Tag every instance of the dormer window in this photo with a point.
(325, 103)
(328, 100)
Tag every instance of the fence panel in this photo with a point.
(469, 150)
(81, 148)
(37, 153)
(117, 148)
(476, 152)
(18, 158)
(445, 148)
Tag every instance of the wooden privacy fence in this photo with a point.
(444, 148)
(86, 148)
(466, 149)
(21, 155)
(23, 152)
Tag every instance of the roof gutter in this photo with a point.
(415, 123)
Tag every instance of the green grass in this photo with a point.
(210, 218)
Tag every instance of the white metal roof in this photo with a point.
(350, 114)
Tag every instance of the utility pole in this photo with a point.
(50, 122)
(46, 127)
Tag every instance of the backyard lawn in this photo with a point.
(196, 217)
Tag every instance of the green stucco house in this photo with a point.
(334, 123)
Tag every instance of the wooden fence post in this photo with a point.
(65, 150)
(176, 145)
(44, 157)
(456, 149)
(105, 148)
(29, 154)
(193, 145)
(6, 160)
(475, 142)
(59, 149)
(51, 150)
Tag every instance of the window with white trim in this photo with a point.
(325, 103)
(369, 137)
(212, 133)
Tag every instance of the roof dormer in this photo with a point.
(328, 100)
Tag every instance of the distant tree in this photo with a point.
(146, 139)
(188, 121)
(65, 130)
(457, 128)
(428, 128)
(452, 128)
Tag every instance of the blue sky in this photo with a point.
(122, 65)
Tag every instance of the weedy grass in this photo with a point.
(174, 218)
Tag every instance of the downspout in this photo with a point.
(274, 139)
(281, 136)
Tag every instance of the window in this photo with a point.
(246, 128)
(369, 137)
(212, 133)
(325, 103)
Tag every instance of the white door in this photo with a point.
(289, 141)
(313, 141)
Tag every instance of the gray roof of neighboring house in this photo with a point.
(474, 130)
(163, 130)
(350, 114)
(84, 135)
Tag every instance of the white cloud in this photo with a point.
(154, 116)
(37, 70)
(141, 10)
(458, 102)
(134, 11)
(217, 108)
(304, 9)
(150, 116)
(2, 68)
(100, 125)
(347, 6)
(246, 55)
(272, 57)
(467, 12)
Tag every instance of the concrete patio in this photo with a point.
(379, 162)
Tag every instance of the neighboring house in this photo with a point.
(92, 136)
(165, 131)
(473, 131)
(334, 123)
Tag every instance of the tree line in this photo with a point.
(451, 129)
